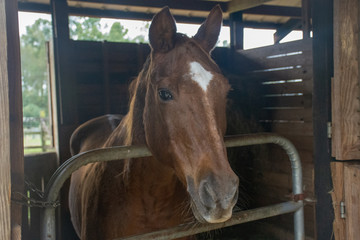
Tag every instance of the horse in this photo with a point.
(177, 109)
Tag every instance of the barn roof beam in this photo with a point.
(293, 12)
(44, 8)
(172, 4)
(240, 5)
(286, 28)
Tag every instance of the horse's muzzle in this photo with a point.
(215, 198)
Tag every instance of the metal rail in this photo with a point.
(126, 152)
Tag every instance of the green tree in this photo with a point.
(85, 28)
(117, 33)
(34, 69)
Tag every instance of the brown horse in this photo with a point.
(177, 110)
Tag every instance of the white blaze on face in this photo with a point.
(200, 75)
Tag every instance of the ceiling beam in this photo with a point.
(293, 12)
(240, 5)
(285, 29)
(172, 4)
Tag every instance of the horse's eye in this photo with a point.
(165, 95)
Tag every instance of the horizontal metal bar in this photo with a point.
(189, 229)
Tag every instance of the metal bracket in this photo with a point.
(329, 129)
(342, 210)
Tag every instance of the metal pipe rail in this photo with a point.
(126, 152)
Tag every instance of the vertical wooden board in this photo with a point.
(8, 86)
(337, 195)
(352, 200)
(11, 52)
(346, 92)
(4, 133)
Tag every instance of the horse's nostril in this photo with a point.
(207, 195)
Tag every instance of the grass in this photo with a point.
(34, 140)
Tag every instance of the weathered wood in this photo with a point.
(285, 29)
(5, 181)
(305, 87)
(323, 69)
(304, 101)
(304, 72)
(300, 129)
(236, 31)
(238, 5)
(11, 141)
(346, 92)
(289, 47)
(352, 200)
(294, 115)
(262, 62)
(306, 18)
(337, 195)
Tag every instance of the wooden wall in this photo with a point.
(11, 139)
(346, 120)
(285, 83)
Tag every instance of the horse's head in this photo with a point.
(184, 116)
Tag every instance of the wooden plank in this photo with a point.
(239, 5)
(11, 140)
(279, 233)
(297, 115)
(337, 195)
(295, 129)
(304, 101)
(274, 50)
(352, 200)
(292, 60)
(285, 29)
(345, 102)
(323, 69)
(304, 72)
(5, 181)
(305, 86)
(11, 52)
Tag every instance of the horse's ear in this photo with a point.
(162, 31)
(208, 32)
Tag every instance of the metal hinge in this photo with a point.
(329, 129)
(342, 210)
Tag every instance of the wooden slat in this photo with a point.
(304, 115)
(288, 102)
(294, 129)
(352, 200)
(238, 5)
(11, 118)
(259, 63)
(288, 47)
(299, 73)
(306, 86)
(5, 182)
(345, 102)
(11, 139)
(337, 195)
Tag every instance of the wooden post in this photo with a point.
(11, 130)
(352, 200)
(346, 91)
(338, 197)
(305, 18)
(236, 31)
(323, 72)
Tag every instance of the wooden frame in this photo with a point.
(346, 92)
(11, 131)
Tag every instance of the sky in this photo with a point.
(252, 37)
